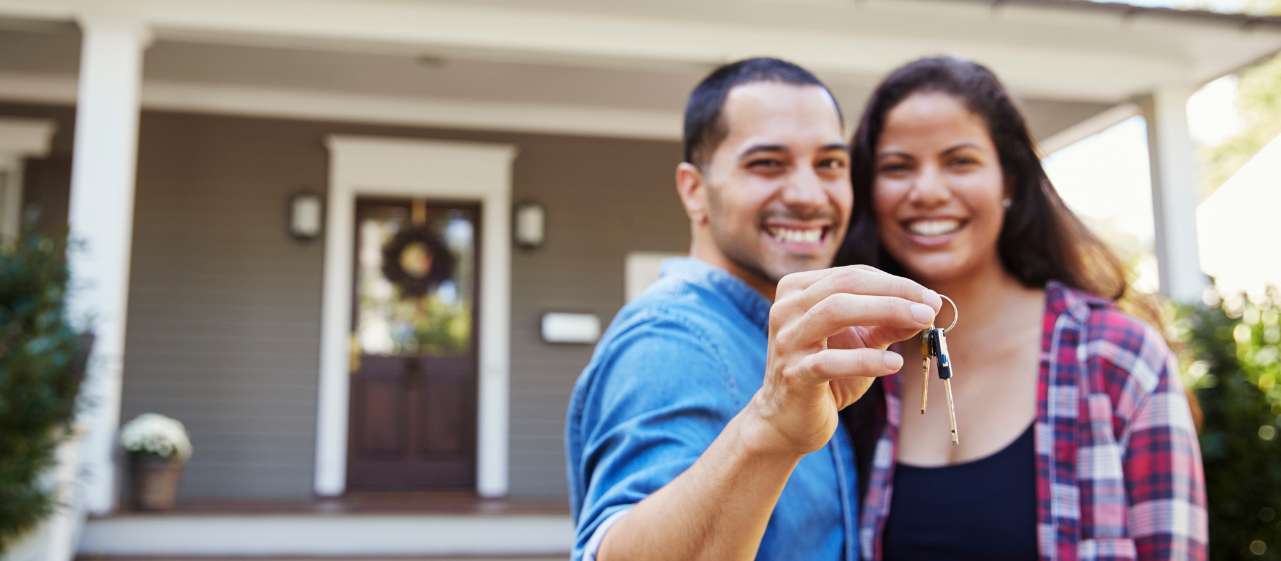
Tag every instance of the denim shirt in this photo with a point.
(674, 367)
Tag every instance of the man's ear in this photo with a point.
(692, 188)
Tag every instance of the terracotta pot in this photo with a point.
(155, 481)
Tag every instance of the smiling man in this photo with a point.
(706, 426)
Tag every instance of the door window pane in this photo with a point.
(390, 322)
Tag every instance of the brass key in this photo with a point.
(926, 353)
(934, 345)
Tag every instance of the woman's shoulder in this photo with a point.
(1132, 353)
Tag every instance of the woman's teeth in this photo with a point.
(934, 227)
(797, 236)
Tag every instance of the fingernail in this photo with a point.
(922, 313)
(893, 361)
(932, 299)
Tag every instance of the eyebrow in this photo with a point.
(780, 148)
(762, 148)
(960, 146)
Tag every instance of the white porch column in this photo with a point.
(19, 138)
(101, 217)
(1175, 192)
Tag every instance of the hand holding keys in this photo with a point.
(934, 345)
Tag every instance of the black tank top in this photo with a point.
(981, 510)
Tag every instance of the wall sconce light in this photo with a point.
(305, 216)
(530, 224)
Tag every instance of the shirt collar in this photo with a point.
(752, 303)
(1060, 299)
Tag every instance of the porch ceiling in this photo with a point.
(1067, 62)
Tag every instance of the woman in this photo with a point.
(1076, 439)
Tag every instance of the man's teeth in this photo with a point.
(797, 236)
(934, 227)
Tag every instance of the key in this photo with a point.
(938, 341)
(926, 355)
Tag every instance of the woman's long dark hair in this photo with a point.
(1040, 240)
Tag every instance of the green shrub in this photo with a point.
(42, 362)
(1231, 362)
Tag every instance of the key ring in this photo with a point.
(956, 313)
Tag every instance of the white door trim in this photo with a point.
(417, 168)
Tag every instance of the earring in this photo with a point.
(1005, 203)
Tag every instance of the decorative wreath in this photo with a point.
(413, 285)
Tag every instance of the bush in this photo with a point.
(1231, 362)
(42, 361)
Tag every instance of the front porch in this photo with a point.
(363, 526)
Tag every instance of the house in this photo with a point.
(1240, 211)
(195, 147)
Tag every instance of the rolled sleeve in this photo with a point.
(598, 536)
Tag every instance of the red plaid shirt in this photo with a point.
(1118, 465)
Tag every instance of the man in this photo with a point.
(685, 438)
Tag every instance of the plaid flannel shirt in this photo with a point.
(1119, 471)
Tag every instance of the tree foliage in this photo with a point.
(42, 361)
(1231, 357)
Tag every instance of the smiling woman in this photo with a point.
(1074, 413)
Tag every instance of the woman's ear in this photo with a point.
(692, 189)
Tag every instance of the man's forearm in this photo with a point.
(715, 510)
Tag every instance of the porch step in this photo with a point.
(363, 536)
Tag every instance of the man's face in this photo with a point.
(777, 190)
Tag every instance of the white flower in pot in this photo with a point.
(157, 446)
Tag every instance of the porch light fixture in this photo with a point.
(530, 220)
(305, 218)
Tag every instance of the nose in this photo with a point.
(930, 188)
(804, 190)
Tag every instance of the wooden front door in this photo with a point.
(413, 366)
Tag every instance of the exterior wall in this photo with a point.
(224, 315)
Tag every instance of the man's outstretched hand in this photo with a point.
(828, 332)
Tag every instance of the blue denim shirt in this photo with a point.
(671, 371)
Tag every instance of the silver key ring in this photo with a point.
(955, 315)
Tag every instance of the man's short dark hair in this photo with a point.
(704, 128)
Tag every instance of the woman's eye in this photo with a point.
(962, 162)
(893, 168)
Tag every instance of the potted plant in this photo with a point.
(158, 447)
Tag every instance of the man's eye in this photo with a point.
(765, 164)
(832, 163)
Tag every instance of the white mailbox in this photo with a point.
(571, 328)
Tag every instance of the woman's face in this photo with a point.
(938, 189)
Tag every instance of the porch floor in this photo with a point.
(365, 526)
